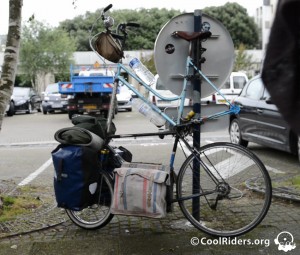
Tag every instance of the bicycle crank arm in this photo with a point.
(193, 196)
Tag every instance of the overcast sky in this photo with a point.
(54, 11)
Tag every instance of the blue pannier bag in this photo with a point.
(76, 172)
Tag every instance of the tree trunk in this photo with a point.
(11, 54)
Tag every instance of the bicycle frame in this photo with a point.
(172, 122)
(189, 64)
(108, 22)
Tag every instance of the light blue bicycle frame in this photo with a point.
(189, 64)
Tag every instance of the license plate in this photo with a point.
(90, 107)
(56, 106)
(222, 101)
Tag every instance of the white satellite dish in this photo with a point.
(170, 54)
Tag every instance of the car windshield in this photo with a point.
(21, 91)
(239, 82)
(52, 89)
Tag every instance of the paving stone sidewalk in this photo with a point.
(47, 230)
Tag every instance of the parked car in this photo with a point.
(53, 100)
(161, 90)
(124, 98)
(231, 89)
(259, 120)
(24, 99)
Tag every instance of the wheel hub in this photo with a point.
(223, 189)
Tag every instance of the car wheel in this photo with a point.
(71, 113)
(44, 111)
(235, 134)
(11, 109)
(29, 110)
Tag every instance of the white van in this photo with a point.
(162, 90)
(231, 89)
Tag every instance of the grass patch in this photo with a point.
(12, 206)
(293, 182)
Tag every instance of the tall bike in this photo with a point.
(223, 189)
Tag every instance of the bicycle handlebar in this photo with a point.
(133, 24)
(106, 8)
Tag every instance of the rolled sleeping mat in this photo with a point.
(78, 136)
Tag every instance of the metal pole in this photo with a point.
(196, 46)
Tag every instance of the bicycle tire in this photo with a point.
(239, 208)
(97, 215)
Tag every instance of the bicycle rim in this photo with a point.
(98, 214)
(232, 205)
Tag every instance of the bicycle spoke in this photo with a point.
(227, 207)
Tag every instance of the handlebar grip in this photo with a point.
(107, 8)
(132, 24)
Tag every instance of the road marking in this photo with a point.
(274, 170)
(33, 175)
(152, 144)
(223, 166)
(187, 151)
(225, 170)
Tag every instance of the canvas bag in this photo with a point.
(109, 47)
(76, 173)
(140, 192)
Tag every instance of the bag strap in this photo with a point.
(123, 189)
(149, 193)
(60, 170)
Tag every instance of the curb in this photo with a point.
(282, 193)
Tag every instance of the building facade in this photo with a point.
(264, 19)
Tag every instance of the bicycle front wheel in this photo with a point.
(98, 214)
(225, 190)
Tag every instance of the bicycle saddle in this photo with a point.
(190, 36)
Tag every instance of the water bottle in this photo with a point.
(142, 71)
(147, 111)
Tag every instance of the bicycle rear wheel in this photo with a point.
(97, 215)
(227, 205)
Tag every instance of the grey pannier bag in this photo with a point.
(109, 47)
(140, 192)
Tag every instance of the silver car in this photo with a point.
(53, 100)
